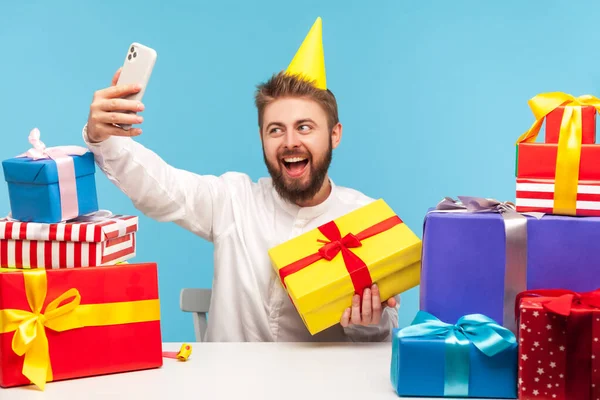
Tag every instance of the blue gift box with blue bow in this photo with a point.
(51, 185)
(476, 357)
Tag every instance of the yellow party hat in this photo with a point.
(309, 61)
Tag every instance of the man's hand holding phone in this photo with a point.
(109, 108)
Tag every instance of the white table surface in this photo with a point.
(246, 371)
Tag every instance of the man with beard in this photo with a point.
(299, 128)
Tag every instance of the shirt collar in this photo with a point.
(307, 212)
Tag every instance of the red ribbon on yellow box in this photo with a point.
(30, 326)
(358, 270)
(569, 143)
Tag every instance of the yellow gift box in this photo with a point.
(323, 268)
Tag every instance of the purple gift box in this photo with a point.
(466, 262)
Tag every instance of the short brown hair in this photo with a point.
(287, 85)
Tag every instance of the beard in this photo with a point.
(297, 191)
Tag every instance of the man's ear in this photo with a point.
(336, 135)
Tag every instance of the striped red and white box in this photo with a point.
(106, 241)
(537, 195)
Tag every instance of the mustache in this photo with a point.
(292, 153)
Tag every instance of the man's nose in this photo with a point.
(292, 139)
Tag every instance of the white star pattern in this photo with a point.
(541, 365)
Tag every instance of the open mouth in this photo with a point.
(295, 166)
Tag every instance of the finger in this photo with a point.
(355, 315)
(118, 91)
(345, 321)
(119, 105)
(392, 302)
(116, 76)
(117, 118)
(376, 305)
(109, 130)
(367, 313)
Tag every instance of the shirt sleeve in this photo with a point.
(381, 332)
(162, 192)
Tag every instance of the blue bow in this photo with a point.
(489, 337)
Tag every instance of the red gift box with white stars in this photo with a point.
(559, 347)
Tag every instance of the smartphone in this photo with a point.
(137, 68)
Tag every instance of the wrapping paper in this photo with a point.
(92, 241)
(70, 323)
(51, 184)
(559, 354)
(561, 175)
(323, 268)
(475, 357)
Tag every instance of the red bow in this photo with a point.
(560, 301)
(358, 270)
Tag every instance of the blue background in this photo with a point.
(432, 95)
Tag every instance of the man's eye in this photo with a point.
(304, 127)
(275, 130)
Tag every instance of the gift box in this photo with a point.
(93, 240)
(50, 185)
(559, 352)
(73, 323)
(479, 254)
(476, 357)
(322, 269)
(561, 175)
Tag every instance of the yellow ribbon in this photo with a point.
(30, 326)
(568, 156)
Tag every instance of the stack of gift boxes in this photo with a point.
(63, 265)
(508, 300)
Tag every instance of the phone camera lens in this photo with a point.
(129, 57)
(134, 55)
(132, 49)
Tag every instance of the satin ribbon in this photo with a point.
(515, 230)
(358, 270)
(581, 330)
(67, 183)
(483, 332)
(569, 143)
(29, 326)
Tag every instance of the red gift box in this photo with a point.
(559, 347)
(85, 242)
(561, 175)
(588, 125)
(78, 323)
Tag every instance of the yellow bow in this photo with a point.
(569, 143)
(30, 326)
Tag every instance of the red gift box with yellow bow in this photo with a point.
(560, 176)
(72, 323)
(559, 345)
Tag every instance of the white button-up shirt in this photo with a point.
(243, 219)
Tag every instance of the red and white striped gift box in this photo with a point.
(537, 195)
(67, 245)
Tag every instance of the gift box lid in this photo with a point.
(94, 228)
(44, 172)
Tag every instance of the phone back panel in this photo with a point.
(137, 68)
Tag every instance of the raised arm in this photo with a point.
(160, 191)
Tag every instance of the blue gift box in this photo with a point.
(34, 191)
(427, 365)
